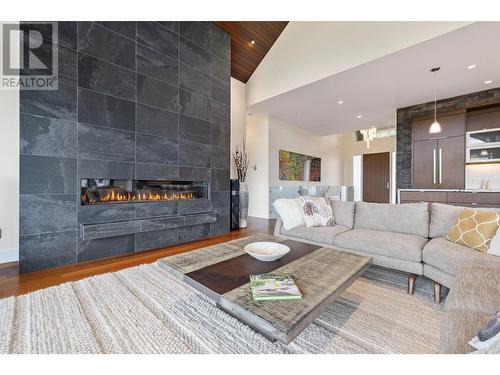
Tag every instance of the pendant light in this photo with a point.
(435, 127)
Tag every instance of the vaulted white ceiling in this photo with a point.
(376, 86)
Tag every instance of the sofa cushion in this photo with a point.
(290, 211)
(475, 229)
(409, 218)
(317, 234)
(317, 212)
(390, 244)
(444, 216)
(343, 211)
(450, 257)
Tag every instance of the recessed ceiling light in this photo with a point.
(252, 42)
(359, 116)
(488, 82)
(471, 66)
(372, 126)
(340, 102)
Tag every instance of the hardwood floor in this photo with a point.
(12, 283)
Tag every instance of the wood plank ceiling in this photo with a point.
(245, 56)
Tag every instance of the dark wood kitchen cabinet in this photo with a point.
(439, 159)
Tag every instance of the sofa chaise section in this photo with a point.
(442, 258)
(473, 299)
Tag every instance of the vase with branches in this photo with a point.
(241, 161)
(240, 158)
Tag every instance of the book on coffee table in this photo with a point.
(274, 287)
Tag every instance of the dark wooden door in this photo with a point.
(451, 171)
(376, 177)
(424, 165)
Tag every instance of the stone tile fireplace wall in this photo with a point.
(136, 100)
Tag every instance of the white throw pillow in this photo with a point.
(317, 212)
(290, 211)
(495, 244)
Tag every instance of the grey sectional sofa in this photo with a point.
(407, 237)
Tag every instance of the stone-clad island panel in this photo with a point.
(156, 108)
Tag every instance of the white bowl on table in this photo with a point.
(266, 251)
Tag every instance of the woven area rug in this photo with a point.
(145, 310)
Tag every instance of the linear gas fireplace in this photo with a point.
(103, 191)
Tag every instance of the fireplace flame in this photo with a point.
(114, 196)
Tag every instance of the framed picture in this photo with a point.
(299, 167)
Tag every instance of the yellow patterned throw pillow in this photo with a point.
(475, 229)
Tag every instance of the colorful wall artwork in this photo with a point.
(299, 167)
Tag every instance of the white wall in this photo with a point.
(9, 174)
(284, 136)
(309, 51)
(257, 138)
(238, 118)
(352, 147)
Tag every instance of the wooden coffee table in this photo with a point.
(222, 272)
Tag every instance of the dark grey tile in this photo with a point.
(205, 218)
(195, 56)
(221, 226)
(158, 37)
(197, 32)
(194, 206)
(220, 135)
(106, 247)
(220, 113)
(47, 213)
(195, 105)
(145, 210)
(66, 62)
(156, 150)
(220, 124)
(47, 136)
(220, 180)
(41, 251)
(157, 65)
(60, 103)
(220, 158)
(192, 129)
(171, 25)
(194, 154)
(155, 224)
(47, 175)
(155, 240)
(126, 28)
(194, 174)
(221, 69)
(106, 230)
(157, 94)
(155, 171)
(221, 43)
(158, 122)
(104, 110)
(221, 201)
(194, 233)
(98, 41)
(105, 77)
(106, 213)
(194, 80)
(105, 169)
(220, 92)
(66, 35)
(95, 142)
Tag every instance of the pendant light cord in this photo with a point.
(435, 97)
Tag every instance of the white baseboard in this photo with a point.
(9, 255)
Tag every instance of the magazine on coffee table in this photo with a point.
(274, 287)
